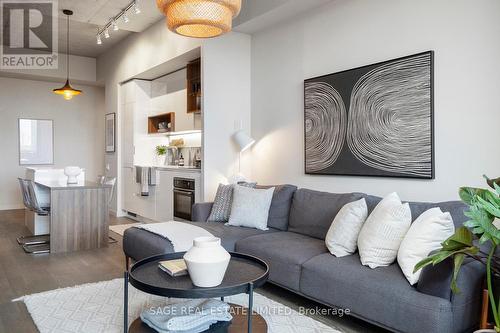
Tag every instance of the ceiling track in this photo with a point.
(117, 17)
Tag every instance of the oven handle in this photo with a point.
(191, 193)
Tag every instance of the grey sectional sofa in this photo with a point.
(295, 250)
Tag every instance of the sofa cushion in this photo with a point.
(312, 212)
(382, 295)
(229, 235)
(455, 208)
(280, 206)
(139, 243)
(250, 207)
(383, 232)
(284, 252)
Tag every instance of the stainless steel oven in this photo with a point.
(184, 195)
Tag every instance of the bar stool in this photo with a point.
(104, 180)
(38, 243)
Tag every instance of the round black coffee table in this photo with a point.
(243, 274)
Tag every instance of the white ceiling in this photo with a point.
(89, 15)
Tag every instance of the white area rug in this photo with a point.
(120, 228)
(98, 308)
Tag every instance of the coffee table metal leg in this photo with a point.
(250, 306)
(125, 302)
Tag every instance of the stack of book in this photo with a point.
(174, 267)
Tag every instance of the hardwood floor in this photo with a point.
(22, 274)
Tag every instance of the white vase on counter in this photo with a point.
(72, 172)
(207, 262)
(161, 160)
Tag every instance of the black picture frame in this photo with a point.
(110, 132)
(365, 69)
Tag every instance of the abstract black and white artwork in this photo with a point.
(375, 120)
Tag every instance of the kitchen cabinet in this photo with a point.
(165, 196)
(133, 201)
(127, 137)
(129, 190)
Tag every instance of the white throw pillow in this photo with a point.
(383, 232)
(250, 207)
(426, 234)
(342, 237)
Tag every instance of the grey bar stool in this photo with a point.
(104, 180)
(33, 244)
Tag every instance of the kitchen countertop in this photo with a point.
(59, 185)
(176, 168)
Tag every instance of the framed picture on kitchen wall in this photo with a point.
(375, 120)
(110, 132)
(36, 141)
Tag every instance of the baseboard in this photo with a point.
(11, 206)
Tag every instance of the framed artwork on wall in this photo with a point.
(36, 141)
(375, 120)
(110, 132)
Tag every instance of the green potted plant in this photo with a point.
(161, 154)
(483, 225)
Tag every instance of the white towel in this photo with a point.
(188, 316)
(145, 181)
(180, 234)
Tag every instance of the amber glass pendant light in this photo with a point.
(200, 18)
(67, 91)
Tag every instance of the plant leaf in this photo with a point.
(497, 188)
(461, 238)
(467, 194)
(491, 207)
(457, 263)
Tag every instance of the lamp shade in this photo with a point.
(200, 18)
(243, 140)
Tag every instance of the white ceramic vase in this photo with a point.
(161, 160)
(485, 331)
(207, 262)
(72, 172)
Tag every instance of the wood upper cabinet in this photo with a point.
(194, 92)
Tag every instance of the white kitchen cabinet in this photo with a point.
(133, 201)
(127, 136)
(165, 196)
(129, 190)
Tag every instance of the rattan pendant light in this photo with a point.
(200, 18)
(67, 91)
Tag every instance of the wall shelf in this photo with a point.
(193, 85)
(155, 121)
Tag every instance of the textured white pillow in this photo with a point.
(426, 234)
(250, 207)
(342, 237)
(383, 232)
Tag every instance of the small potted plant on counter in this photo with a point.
(483, 225)
(161, 154)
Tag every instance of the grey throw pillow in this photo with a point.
(250, 207)
(221, 208)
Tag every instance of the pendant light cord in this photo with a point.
(67, 50)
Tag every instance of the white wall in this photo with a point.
(82, 70)
(226, 69)
(78, 130)
(351, 33)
